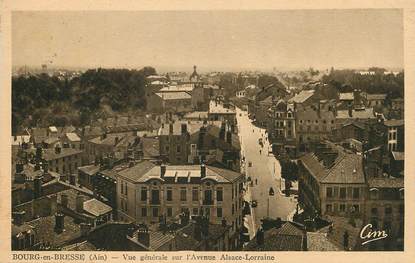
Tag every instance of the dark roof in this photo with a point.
(301, 97)
(151, 147)
(89, 169)
(45, 226)
(50, 154)
(289, 237)
(347, 167)
(390, 123)
(319, 242)
(366, 113)
(386, 182)
(398, 156)
(83, 246)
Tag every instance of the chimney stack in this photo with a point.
(202, 171)
(59, 222)
(162, 170)
(79, 203)
(37, 185)
(64, 200)
(85, 229)
(57, 149)
(171, 128)
(116, 140)
(143, 236)
(18, 217)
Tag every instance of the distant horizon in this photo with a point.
(213, 40)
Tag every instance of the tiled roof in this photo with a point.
(192, 127)
(180, 95)
(366, 113)
(391, 123)
(83, 246)
(386, 182)
(178, 88)
(96, 208)
(137, 171)
(111, 138)
(218, 108)
(302, 96)
(50, 154)
(89, 169)
(71, 194)
(286, 238)
(44, 228)
(347, 168)
(151, 147)
(196, 114)
(319, 242)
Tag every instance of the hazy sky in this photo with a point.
(210, 39)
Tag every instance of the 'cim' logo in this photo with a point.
(369, 235)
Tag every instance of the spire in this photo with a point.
(194, 74)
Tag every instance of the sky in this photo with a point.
(260, 39)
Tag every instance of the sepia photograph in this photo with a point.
(207, 130)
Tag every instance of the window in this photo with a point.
(143, 194)
(195, 194)
(388, 210)
(178, 149)
(356, 208)
(233, 209)
(155, 196)
(374, 194)
(195, 211)
(342, 192)
(169, 194)
(329, 208)
(374, 210)
(126, 189)
(356, 193)
(122, 187)
(183, 194)
(219, 194)
(329, 192)
(144, 211)
(155, 212)
(342, 208)
(167, 149)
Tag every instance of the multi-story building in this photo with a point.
(373, 100)
(281, 127)
(396, 135)
(314, 123)
(63, 160)
(221, 111)
(145, 192)
(332, 182)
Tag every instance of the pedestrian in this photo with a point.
(260, 151)
(256, 181)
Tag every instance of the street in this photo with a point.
(265, 170)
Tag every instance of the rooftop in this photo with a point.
(366, 113)
(393, 122)
(73, 137)
(386, 182)
(376, 96)
(96, 208)
(301, 97)
(178, 88)
(179, 95)
(347, 167)
(218, 108)
(346, 96)
(50, 154)
(196, 115)
(89, 169)
(145, 170)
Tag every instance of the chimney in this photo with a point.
(72, 179)
(202, 171)
(64, 200)
(59, 222)
(37, 186)
(85, 229)
(57, 149)
(184, 128)
(162, 170)
(116, 140)
(45, 167)
(229, 137)
(143, 236)
(79, 203)
(19, 167)
(18, 217)
(171, 128)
